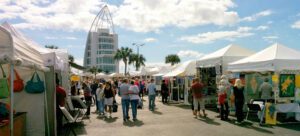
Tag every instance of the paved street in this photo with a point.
(176, 120)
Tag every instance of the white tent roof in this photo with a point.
(16, 47)
(116, 75)
(224, 56)
(187, 68)
(101, 75)
(274, 58)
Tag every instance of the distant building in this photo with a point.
(102, 45)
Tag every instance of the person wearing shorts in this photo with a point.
(108, 98)
(197, 89)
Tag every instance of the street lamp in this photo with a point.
(138, 46)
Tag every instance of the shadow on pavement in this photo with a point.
(209, 121)
(250, 125)
(157, 112)
(108, 119)
(294, 126)
(79, 129)
(130, 123)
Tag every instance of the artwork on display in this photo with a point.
(297, 95)
(270, 114)
(297, 82)
(287, 85)
(253, 81)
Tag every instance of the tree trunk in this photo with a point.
(125, 68)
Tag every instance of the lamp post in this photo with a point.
(138, 46)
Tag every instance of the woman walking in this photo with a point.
(238, 92)
(134, 99)
(88, 98)
(108, 98)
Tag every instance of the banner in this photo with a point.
(287, 85)
(271, 114)
(75, 78)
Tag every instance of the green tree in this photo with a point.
(94, 70)
(71, 58)
(137, 61)
(123, 54)
(173, 59)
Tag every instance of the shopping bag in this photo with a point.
(18, 82)
(4, 88)
(35, 86)
(115, 106)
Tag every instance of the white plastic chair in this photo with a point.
(70, 120)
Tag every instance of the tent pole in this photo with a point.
(11, 99)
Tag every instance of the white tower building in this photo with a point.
(102, 44)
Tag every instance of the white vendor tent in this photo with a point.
(274, 58)
(187, 68)
(223, 56)
(116, 75)
(25, 56)
(102, 75)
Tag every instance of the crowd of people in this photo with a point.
(132, 91)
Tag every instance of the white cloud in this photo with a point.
(65, 37)
(257, 15)
(70, 38)
(51, 37)
(146, 15)
(150, 40)
(67, 15)
(270, 39)
(136, 15)
(296, 25)
(262, 27)
(189, 54)
(209, 37)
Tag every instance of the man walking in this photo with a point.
(164, 92)
(197, 90)
(151, 93)
(123, 92)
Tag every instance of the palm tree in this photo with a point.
(137, 61)
(95, 70)
(71, 58)
(123, 54)
(173, 59)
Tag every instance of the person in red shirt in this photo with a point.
(60, 101)
(197, 91)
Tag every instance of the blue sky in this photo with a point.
(189, 28)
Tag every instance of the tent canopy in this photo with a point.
(276, 57)
(14, 46)
(187, 68)
(116, 75)
(224, 56)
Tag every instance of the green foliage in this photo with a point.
(137, 60)
(123, 54)
(173, 59)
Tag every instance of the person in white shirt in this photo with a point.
(134, 99)
(151, 88)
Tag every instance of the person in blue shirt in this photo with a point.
(151, 88)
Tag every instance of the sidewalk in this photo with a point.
(174, 120)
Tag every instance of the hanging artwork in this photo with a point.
(297, 82)
(287, 85)
(270, 114)
(253, 81)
